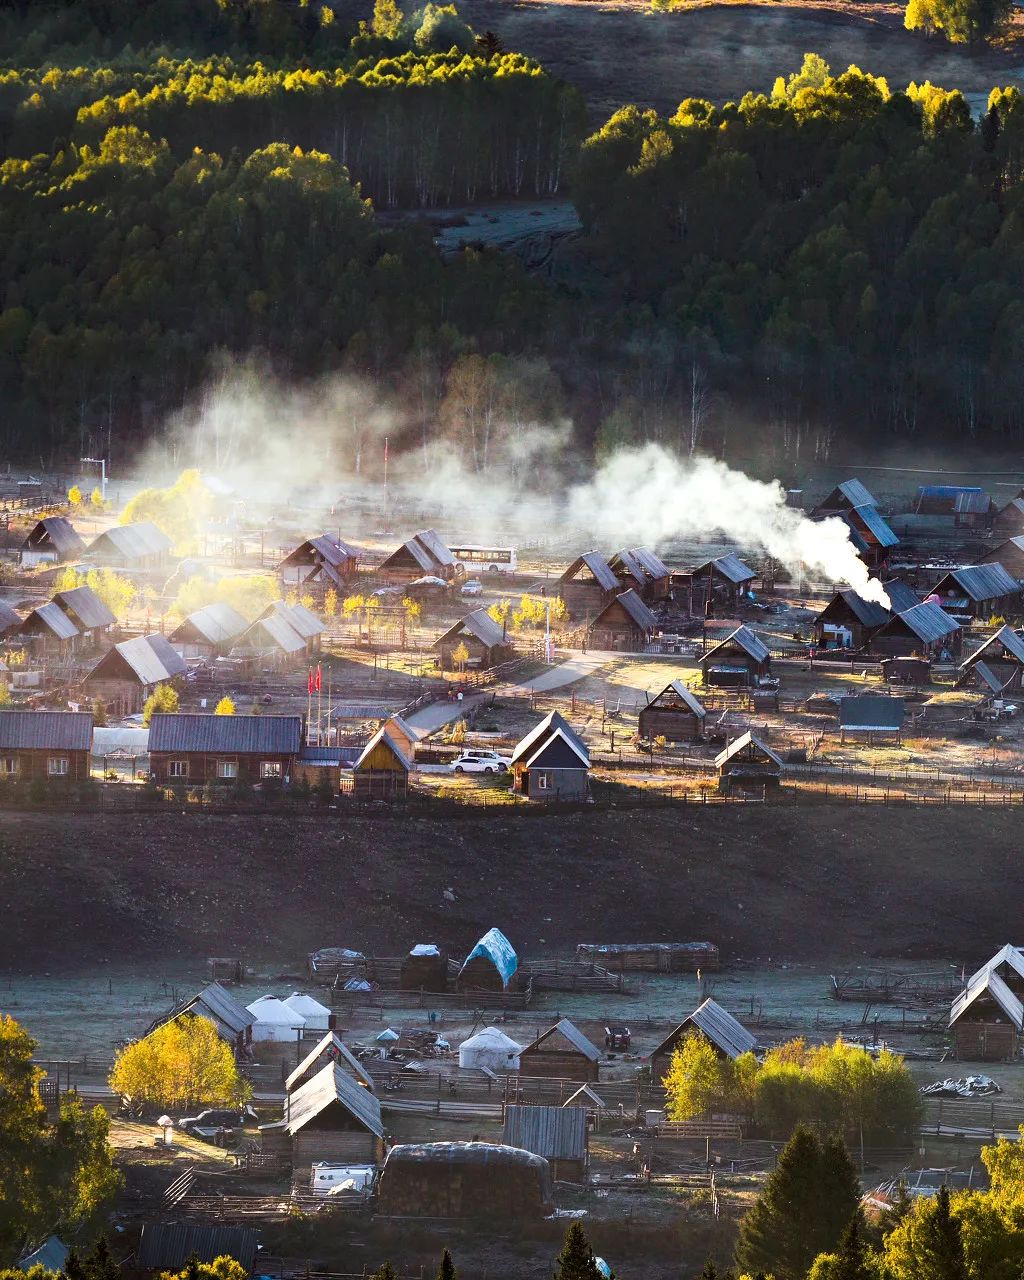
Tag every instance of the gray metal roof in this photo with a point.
(132, 541)
(151, 658)
(987, 981)
(59, 531)
(87, 607)
(867, 612)
(551, 726)
(380, 736)
(212, 1001)
(329, 1048)
(273, 631)
(901, 597)
(982, 581)
(730, 567)
(330, 1085)
(1006, 639)
(9, 617)
(1007, 954)
(556, 1133)
(575, 1037)
(747, 740)
(751, 645)
(871, 711)
(330, 550)
(216, 623)
(169, 1246)
(719, 1026)
(631, 565)
(53, 619)
(599, 569)
(302, 621)
(254, 735)
(928, 621)
(877, 526)
(651, 563)
(636, 609)
(418, 552)
(974, 502)
(685, 695)
(45, 730)
(436, 545)
(480, 624)
(988, 677)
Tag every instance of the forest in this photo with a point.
(187, 183)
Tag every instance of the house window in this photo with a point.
(543, 782)
(57, 766)
(177, 768)
(270, 768)
(9, 766)
(227, 769)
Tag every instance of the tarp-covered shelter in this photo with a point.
(491, 965)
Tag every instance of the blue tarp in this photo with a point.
(497, 948)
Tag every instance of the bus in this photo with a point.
(480, 559)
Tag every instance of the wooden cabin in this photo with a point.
(402, 734)
(740, 660)
(641, 570)
(676, 714)
(1002, 655)
(320, 564)
(748, 764)
(925, 631)
(1009, 522)
(726, 1034)
(849, 621)
(987, 1018)
(271, 642)
(871, 536)
(424, 554)
(329, 1118)
(329, 1049)
(552, 762)
(425, 968)
(979, 591)
(717, 585)
(88, 613)
(52, 540)
(1010, 554)
(233, 1021)
(587, 585)
(557, 1134)
(49, 632)
(129, 672)
(491, 965)
(53, 745)
(131, 546)
(210, 632)
(201, 748)
(474, 1180)
(382, 770)
(483, 639)
(302, 621)
(624, 624)
(562, 1052)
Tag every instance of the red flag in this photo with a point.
(316, 682)
(309, 682)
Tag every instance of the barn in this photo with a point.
(233, 1021)
(926, 631)
(987, 1017)
(209, 632)
(483, 639)
(382, 770)
(718, 584)
(587, 585)
(726, 1034)
(465, 1180)
(329, 1049)
(197, 748)
(748, 764)
(624, 624)
(51, 540)
(129, 672)
(131, 546)
(491, 965)
(644, 571)
(323, 562)
(558, 1134)
(676, 714)
(562, 1052)
(849, 621)
(45, 744)
(552, 762)
(424, 553)
(1002, 655)
(331, 1118)
(741, 659)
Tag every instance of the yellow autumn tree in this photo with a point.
(225, 707)
(183, 1063)
(75, 496)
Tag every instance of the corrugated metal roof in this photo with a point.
(169, 1246)
(418, 552)
(275, 632)
(871, 711)
(151, 658)
(973, 502)
(59, 531)
(988, 677)
(730, 567)
(751, 645)
(331, 551)
(51, 1255)
(685, 695)
(1005, 639)
(254, 735)
(45, 730)
(87, 607)
(981, 581)
(51, 618)
(573, 1034)
(330, 1048)
(302, 621)
(901, 597)
(380, 736)
(212, 1001)
(629, 563)
(556, 1133)
(480, 624)
(876, 525)
(216, 623)
(636, 609)
(436, 546)
(986, 981)
(330, 1085)
(9, 617)
(928, 621)
(856, 494)
(599, 567)
(722, 1029)
(651, 563)
(867, 612)
(950, 491)
(132, 541)
(1007, 954)
(495, 947)
(747, 740)
(552, 725)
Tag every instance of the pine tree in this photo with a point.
(710, 1271)
(576, 1261)
(839, 1192)
(446, 1271)
(100, 1265)
(943, 1241)
(850, 1262)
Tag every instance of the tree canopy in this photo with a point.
(181, 1063)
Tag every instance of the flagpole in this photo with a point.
(309, 701)
(385, 484)
(329, 673)
(319, 704)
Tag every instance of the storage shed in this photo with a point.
(587, 585)
(198, 748)
(273, 642)
(490, 1050)
(87, 611)
(54, 745)
(331, 1118)
(1010, 554)
(871, 716)
(726, 1034)
(129, 672)
(1009, 522)
(676, 714)
(322, 562)
(849, 621)
(329, 1049)
(979, 591)
(644, 571)
(51, 540)
(210, 632)
(624, 624)
(987, 1018)
(1003, 656)
(741, 659)
(10, 619)
(131, 546)
(562, 1052)
(483, 639)
(719, 583)
(425, 968)
(49, 631)
(552, 762)
(491, 965)
(748, 764)
(559, 1134)
(465, 1180)
(424, 553)
(382, 770)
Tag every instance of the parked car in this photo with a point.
(214, 1118)
(471, 587)
(480, 762)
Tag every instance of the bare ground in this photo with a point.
(804, 884)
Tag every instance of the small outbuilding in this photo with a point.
(233, 1021)
(987, 1017)
(210, 632)
(624, 624)
(559, 1134)
(49, 632)
(1010, 554)
(924, 631)
(490, 1050)
(719, 584)
(483, 639)
(87, 611)
(424, 553)
(170, 1247)
(562, 1052)
(465, 1180)
(491, 965)
(129, 672)
(329, 1049)
(329, 1118)
(676, 714)
(322, 562)
(425, 968)
(1009, 522)
(871, 716)
(979, 591)
(849, 621)
(740, 660)
(726, 1034)
(382, 770)
(1003, 657)
(52, 540)
(748, 764)
(131, 546)
(552, 762)
(54, 745)
(587, 585)
(644, 571)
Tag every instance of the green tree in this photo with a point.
(182, 1063)
(446, 1271)
(576, 1260)
(225, 707)
(928, 1245)
(99, 713)
(163, 700)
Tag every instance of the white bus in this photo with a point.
(481, 559)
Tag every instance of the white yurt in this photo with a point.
(316, 1016)
(275, 1020)
(490, 1048)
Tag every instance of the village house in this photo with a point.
(329, 1049)
(748, 764)
(999, 663)
(642, 570)
(483, 639)
(871, 716)
(330, 1117)
(320, 563)
(676, 714)
(491, 965)
(302, 621)
(987, 1017)
(558, 1134)
(869, 531)
(196, 748)
(232, 1020)
(208, 633)
(562, 1052)
(52, 540)
(849, 621)
(88, 612)
(741, 659)
(129, 672)
(1010, 554)
(54, 745)
(843, 498)
(271, 642)
(625, 624)
(424, 553)
(552, 762)
(1009, 522)
(978, 591)
(131, 546)
(587, 585)
(716, 586)
(925, 631)
(382, 770)
(479, 1180)
(726, 1034)
(49, 632)
(10, 619)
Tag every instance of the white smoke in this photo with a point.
(649, 495)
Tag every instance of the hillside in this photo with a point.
(803, 884)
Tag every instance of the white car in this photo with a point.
(480, 762)
(472, 587)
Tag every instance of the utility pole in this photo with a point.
(102, 464)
